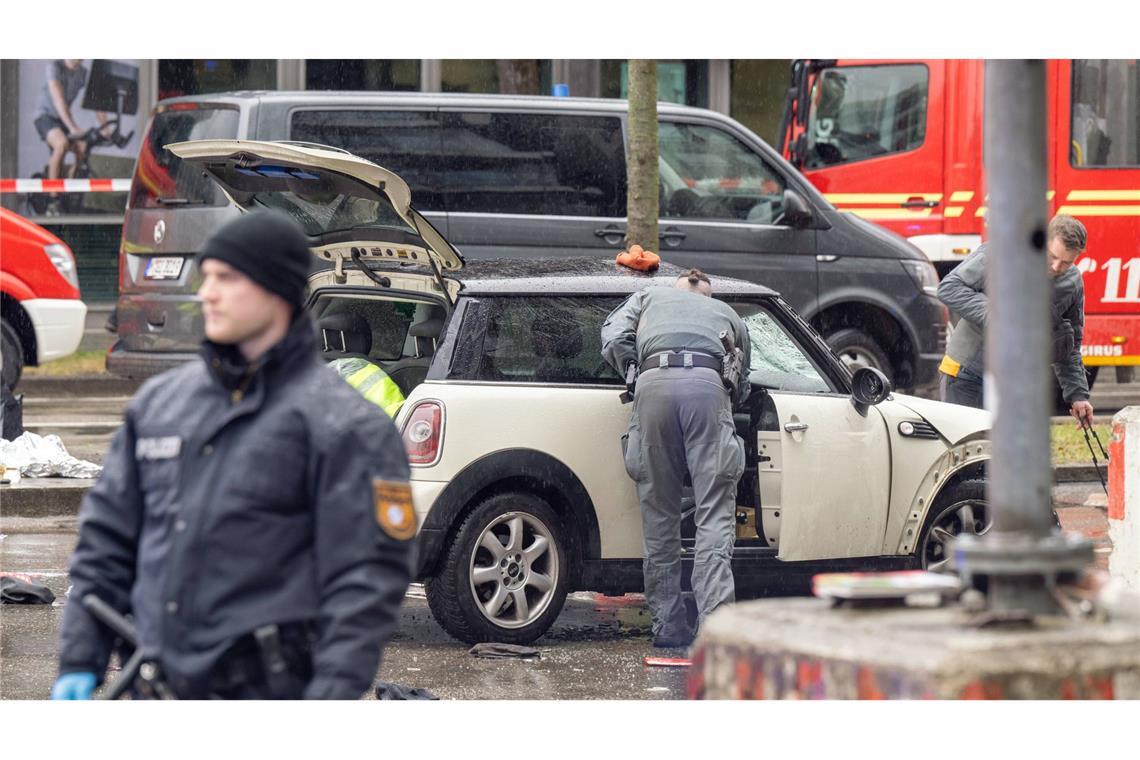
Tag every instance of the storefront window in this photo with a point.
(758, 91)
(684, 82)
(362, 75)
(196, 77)
(515, 77)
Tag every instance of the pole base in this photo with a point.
(1021, 570)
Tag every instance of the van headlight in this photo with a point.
(924, 275)
(64, 261)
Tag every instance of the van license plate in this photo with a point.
(164, 268)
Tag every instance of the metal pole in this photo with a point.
(1018, 329)
(1022, 556)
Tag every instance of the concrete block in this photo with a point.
(1124, 498)
(805, 649)
(43, 497)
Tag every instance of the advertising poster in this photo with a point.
(61, 101)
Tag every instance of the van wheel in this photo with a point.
(504, 574)
(12, 355)
(856, 349)
(961, 509)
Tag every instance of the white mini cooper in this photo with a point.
(513, 422)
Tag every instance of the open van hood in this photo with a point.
(347, 206)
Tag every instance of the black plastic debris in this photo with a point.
(19, 591)
(495, 651)
(395, 691)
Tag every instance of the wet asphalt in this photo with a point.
(594, 650)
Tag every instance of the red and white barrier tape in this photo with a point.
(64, 185)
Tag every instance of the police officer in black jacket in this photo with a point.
(254, 515)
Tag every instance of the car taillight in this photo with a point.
(64, 261)
(423, 433)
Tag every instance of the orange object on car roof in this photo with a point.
(638, 258)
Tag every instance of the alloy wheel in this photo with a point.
(514, 570)
(964, 517)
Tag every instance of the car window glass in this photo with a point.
(547, 340)
(706, 173)
(1105, 113)
(861, 112)
(778, 362)
(387, 321)
(161, 175)
(517, 163)
(404, 142)
(321, 201)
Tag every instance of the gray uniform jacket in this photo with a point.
(221, 510)
(963, 292)
(662, 318)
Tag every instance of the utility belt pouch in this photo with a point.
(732, 364)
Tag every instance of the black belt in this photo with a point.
(263, 661)
(680, 359)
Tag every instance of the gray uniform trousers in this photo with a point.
(682, 420)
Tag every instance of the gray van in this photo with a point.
(520, 177)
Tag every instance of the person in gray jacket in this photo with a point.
(682, 421)
(963, 292)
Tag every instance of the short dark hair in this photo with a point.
(1071, 232)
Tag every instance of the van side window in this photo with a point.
(707, 173)
(520, 163)
(547, 340)
(1105, 114)
(860, 112)
(404, 142)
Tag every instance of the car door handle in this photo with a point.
(608, 232)
(795, 427)
(672, 235)
(917, 202)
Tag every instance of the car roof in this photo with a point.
(432, 99)
(579, 275)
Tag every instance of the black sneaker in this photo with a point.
(672, 642)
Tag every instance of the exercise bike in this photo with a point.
(69, 203)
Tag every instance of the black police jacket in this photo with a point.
(234, 497)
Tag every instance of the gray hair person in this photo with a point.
(681, 422)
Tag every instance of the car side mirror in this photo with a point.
(869, 387)
(797, 213)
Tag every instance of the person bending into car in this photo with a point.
(963, 291)
(254, 513)
(682, 421)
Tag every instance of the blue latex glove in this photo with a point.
(74, 686)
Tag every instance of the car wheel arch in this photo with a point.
(878, 319)
(969, 470)
(525, 470)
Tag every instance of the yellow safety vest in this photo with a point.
(372, 382)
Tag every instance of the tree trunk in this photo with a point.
(642, 200)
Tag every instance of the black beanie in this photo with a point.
(269, 248)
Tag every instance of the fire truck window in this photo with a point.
(863, 112)
(707, 173)
(1105, 114)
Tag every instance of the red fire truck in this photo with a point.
(900, 142)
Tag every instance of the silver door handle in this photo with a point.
(795, 427)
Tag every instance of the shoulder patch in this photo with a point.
(392, 500)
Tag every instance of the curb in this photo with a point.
(79, 385)
(44, 497)
(1078, 473)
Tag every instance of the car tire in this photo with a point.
(12, 355)
(856, 349)
(477, 593)
(960, 508)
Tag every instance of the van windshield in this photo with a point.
(161, 178)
